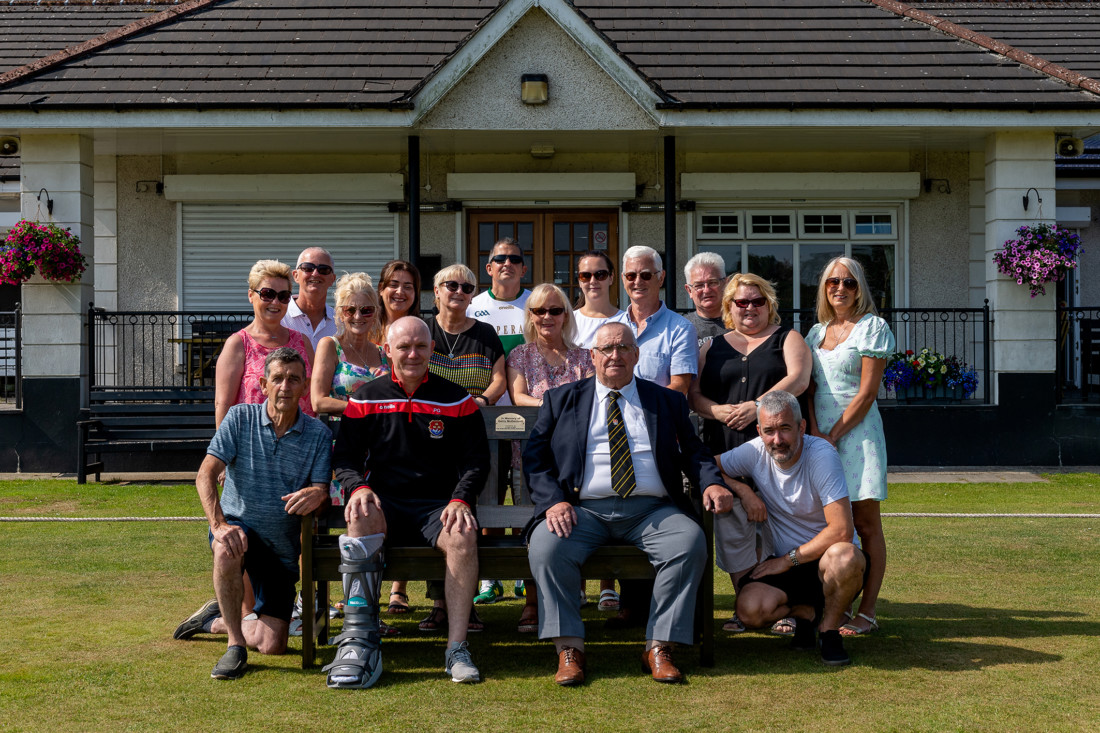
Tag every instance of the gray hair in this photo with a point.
(307, 250)
(617, 325)
(284, 355)
(705, 259)
(639, 251)
(776, 402)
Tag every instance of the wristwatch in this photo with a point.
(793, 556)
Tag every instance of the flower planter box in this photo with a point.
(921, 395)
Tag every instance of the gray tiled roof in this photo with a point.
(754, 53)
(727, 53)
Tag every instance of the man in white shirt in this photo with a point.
(817, 571)
(309, 312)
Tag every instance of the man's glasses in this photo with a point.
(632, 276)
(703, 285)
(366, 311)
(309, 267)
(269, 294)
(746, 302)
(600, 275)
(501, 259)
(543, 311)
(454, 287)
(612, 348)
(849, 283)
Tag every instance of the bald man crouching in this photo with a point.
(412, 457)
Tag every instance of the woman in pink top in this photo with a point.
(241, 363)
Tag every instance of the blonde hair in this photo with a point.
(351, 284)
(453, 272)
(748, 279)
(265, 269)
(539, 295)
(864, 303)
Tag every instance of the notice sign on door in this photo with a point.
(599, 239)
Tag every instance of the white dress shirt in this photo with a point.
(597, 461)
(299, 321)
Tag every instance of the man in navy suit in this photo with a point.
(604, 462)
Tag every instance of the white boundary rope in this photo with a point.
(932, 515)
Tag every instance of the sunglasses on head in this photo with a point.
(544, 311)
(600, 275)
(366, 311)
(849, 283)
(454, 287)
(632, 276)
(746, 302)
(269, 294)
(309, 267)
(501, 259)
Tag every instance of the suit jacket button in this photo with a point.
(576, 490)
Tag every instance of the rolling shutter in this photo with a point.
(221, 242)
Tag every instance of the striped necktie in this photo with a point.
(622, 469)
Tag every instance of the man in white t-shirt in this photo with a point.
(817, 571)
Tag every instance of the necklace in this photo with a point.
(837, 337)
(357, 354)
(555, 352)
(450, 348)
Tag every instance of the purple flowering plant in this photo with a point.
(53, 251)
(1041, 254)
(929, 369)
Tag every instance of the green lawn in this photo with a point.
(987, 624)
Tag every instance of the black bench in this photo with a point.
(150, 419)
(498, 556)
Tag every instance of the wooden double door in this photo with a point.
(552, 242)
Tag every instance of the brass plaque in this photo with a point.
(510, 422)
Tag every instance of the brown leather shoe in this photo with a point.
(570, 667)
(658, 661)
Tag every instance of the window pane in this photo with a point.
(562, 271)
(561, 236)
(874, 224)
(878, 265)
(771, 224)
(823, 223)
(505, 229)
(775, 263)
(580, 236)
(486, 236)
(720, 224)
(812, 260)
(526, 237)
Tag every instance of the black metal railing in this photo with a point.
(143, 349)
(961, 332)
(1077, 347)
(11, 358)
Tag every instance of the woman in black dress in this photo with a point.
(756, 356)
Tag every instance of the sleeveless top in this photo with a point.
(730, 377)
(348, 377)
(254, 355)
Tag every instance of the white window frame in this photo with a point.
(894, 234)
(842, 213)
(792, 214)
(739, 216)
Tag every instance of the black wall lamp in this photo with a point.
(49, 201)
(1027, 197)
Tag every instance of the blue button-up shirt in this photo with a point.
(667, 346)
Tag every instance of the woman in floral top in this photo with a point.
(549, 358)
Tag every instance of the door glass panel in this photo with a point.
(878, 265)
(775, 263)
(506, 229)
(526, 236)
(561, 236)
(812, 260)
(486, 236)
(580, 236)
(563, 273)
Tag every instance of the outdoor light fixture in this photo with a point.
(1027, 197)
(944, 185)
(534, 89)
(49, 201)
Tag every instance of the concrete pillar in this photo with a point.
(54, 334)
(1023, 330)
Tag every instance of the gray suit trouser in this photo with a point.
(673, 541)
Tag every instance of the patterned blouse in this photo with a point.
(254, 355)
(348, 377)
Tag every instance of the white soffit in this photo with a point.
(558, 186)
(800, 185)
(335, 187)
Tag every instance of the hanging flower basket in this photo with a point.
(1042, 254)
(52, 251)
(929, 377)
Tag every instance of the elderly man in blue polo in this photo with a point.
(277, 468)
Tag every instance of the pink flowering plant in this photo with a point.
(53, 251)
(1041, 254)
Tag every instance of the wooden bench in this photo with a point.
(498, 556)
(153, 419)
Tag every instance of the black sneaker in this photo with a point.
(805, 637)
(832, 649)
(194, 623)
(232, 664)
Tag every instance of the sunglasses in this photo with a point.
(632, 276)
(501, 259)
(269, 294)
(309, 267)
(746, 302)
(366, 311)
(849, 283)
(544, 311)
(600, 275)
(454, 287)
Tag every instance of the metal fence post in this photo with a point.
(986, 319)
(91, 352)
(19, 356)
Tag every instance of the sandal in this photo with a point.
(783, 627)
(733, 625)
(399, 606)
(851, 629)
(528, 620)
(609, 600)
(436, 620)
(385, 630)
